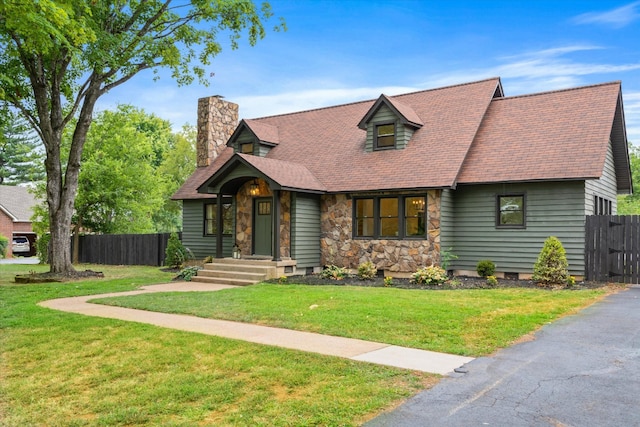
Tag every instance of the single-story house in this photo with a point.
(398, 180)
(16, 209)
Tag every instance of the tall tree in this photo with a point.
(21, 161)
(118, 188)
(178, 164)
(59, 57)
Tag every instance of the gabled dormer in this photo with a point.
(390, 124)
(254, 137)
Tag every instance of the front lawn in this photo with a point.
(65, 369)
(464, 322)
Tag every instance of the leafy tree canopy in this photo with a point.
(60, 56)
(630, 205)
(118, 190)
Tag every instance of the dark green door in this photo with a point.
(262, 227)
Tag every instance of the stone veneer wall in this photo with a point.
(217, 120)
(244, 206)
(399, 256)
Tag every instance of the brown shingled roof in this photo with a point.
(286, 175)
(548, 136)
(330, 145)
(469, 134)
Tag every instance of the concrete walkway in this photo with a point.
(366, 351)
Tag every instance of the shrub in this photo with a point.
(446, 257)
(551, 268)
(188, 273)
(485, 268)
(333, 272)
(432, 275)
(388, 281)
(492, 280)
(175, 254)
(4, 243)
(42, 248)
(367, 270)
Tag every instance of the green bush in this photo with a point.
(432, 275)
(446, 257)
(367, 271)
(42, 248)
(4, 243)
(492, 281)
(188, 272)
(486, 268)
(175, 254)
(552, 267)
(333, 272)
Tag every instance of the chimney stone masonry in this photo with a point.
(217, 120)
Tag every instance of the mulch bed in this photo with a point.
(57, 277)
(458, 282)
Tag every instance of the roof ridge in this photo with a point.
(445, 87)
(568, 89)
(329, 107)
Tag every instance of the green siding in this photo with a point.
(446, 220)
(382, 116)
(305, 230)
(552, 209)
(606, 186)
(193, 236)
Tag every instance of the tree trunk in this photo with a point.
(60, 256)
(76, 241)
(62, 189)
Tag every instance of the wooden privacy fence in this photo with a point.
(123, 249)
(612, 248)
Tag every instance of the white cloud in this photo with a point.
(632, 116)
(287, 102)
(615, 18)
(542, 70)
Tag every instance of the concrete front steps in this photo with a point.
(243, 272)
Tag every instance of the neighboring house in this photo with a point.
(399, 179)
(16, 209)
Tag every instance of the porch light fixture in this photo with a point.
(254, 189)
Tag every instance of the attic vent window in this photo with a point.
(246, 148)
(385, 136)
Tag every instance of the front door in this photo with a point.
(262, 235)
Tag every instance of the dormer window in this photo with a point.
(390, 125)
(385, 136)
(246, 148)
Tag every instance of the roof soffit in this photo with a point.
(620, 148)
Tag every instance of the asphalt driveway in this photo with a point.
(583, 370)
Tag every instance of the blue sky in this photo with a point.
(343, 51)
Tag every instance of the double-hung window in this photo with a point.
(210, 220)
(389, 217)
(385, 136)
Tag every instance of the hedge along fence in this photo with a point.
(123, 249)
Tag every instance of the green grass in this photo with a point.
(465, 322)
(63, 369)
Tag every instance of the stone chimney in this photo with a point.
(217, 120)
